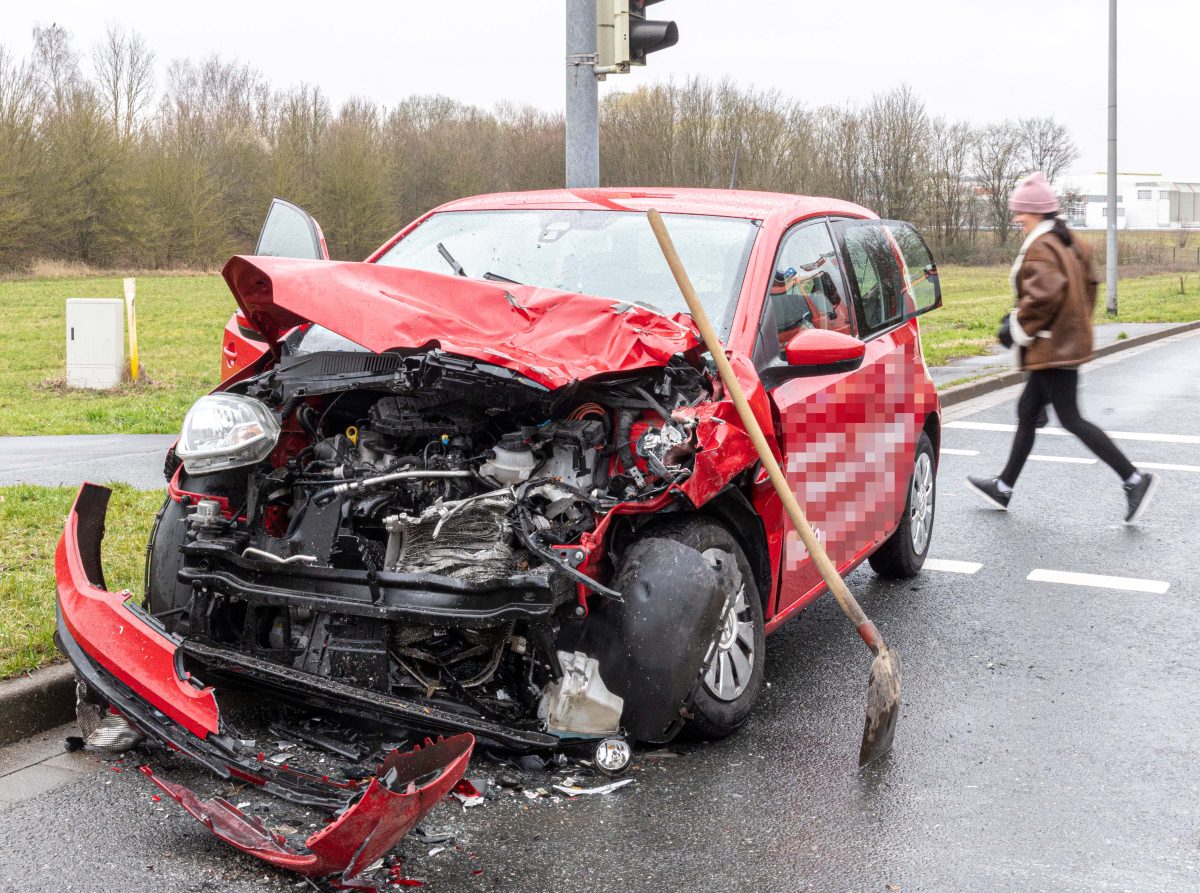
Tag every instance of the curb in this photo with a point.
(36, 702)
(961, 393)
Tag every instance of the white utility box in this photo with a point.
(95, 342)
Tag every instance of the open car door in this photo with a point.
(288, 231)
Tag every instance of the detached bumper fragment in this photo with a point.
(405, 788)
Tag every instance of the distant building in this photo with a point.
(1144, 201)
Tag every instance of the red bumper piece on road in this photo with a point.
(405, 788)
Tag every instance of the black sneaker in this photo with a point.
(1139, 495)
(989, 489)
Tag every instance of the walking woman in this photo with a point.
(1055, 284)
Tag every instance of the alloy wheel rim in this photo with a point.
(920, 502)
(731, 664)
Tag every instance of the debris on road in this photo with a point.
(351, 847)
(574, 790)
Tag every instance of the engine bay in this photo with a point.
(424, 528)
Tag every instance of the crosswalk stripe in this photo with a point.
(1063, 432)
(1072, 460)
(953, 567)
(946, 451)
(1163, 466)
(1100, 581)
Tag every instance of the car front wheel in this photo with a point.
(903, 553)
(733, 672)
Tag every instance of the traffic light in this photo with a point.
(624, 36)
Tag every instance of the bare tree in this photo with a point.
(20, 158)
(895, 129)
(124, 66)
(1046, 146)
(949, 189)
(998, 164)
(55, 63)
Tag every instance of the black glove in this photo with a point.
(1005, 334)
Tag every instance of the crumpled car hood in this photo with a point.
(549, 336)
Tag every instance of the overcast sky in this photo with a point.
(977, 60)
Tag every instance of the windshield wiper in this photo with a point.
(495, 277)
(454, 265)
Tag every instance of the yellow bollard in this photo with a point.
(131, 317)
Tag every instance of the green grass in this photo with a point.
(974, 299)
(32, 521)
(180, 320)
(179, 323)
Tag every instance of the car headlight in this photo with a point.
(225, 431)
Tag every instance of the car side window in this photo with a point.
(807, 289)
(875, 268)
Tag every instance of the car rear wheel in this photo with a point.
(903, 553)
(733, 672)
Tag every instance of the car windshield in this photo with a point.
(612, 254)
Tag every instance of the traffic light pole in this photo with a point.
(583, 97)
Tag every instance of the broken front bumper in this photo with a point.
(128, 659)
(126, 655)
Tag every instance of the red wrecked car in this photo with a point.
(487, 482)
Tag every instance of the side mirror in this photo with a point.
(824, 352)
(816, 352)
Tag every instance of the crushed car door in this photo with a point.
(290, 231)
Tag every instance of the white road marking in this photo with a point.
(1083, 460)
(1133, 584)
(953, 567)
(1063, 432)
(1163, 466)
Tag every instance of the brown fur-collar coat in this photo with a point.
(1056, 295)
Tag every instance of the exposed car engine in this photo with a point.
(414, 529)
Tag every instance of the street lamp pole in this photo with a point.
(1110, 266)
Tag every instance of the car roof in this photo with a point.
(767, 206)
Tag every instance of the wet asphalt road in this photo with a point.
(1048, 739)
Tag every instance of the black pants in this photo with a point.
(1058, 388)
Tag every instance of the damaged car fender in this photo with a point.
(651, 645)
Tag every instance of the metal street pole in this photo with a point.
(583, 113)
(1110, 267)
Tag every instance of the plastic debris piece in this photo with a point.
(428, 836)
(436, 850)
(576, 791)
(531, 762)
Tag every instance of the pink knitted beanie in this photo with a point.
(1033, 195)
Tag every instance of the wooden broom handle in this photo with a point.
(849, 605)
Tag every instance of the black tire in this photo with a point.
(166, 597)
(714, 717)
(899, 557)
